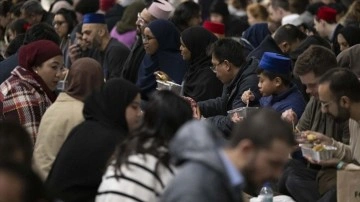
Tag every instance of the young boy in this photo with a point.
(275, 85)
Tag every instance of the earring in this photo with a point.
(36, 71)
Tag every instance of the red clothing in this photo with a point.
(22, 99)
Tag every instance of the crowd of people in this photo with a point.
(177, 100)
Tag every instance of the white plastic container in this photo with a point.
(323, 155)
(242, 112)
(176, 88)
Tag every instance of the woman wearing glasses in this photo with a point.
(161, 43)
(29, 91)
(64, 22)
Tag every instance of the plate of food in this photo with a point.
(164, 82)
(317, 152)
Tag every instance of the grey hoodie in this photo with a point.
(202, 176)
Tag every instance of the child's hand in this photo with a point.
(247, 96)
(289, 116)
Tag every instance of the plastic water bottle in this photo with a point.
(266, 193)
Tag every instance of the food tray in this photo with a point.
(323, 155)
(161, 85)
(242, 111)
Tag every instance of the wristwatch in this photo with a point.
(341, 165)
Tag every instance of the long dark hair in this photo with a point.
(70, 18)
(165, 113)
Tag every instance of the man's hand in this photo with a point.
(196, 113)
(74, 52)
(195, 108)
(236, 118)
(317, 138)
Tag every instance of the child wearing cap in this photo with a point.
(275, 85)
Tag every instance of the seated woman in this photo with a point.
(161, 43)
(200, 82)
(109, 115)
(348, 36)
(84, 77)
(141, 167)
(64, 23)
(28, 92)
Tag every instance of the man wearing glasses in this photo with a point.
(340, 99)
(308, 182)
(238, 75)
(159, 9)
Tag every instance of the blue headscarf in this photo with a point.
(167, 58)
(256, 34)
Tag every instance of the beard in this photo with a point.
(138, 30)
(343, 115)
(96, 43)
(249, 172)
(251, 187)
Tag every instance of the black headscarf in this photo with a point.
(200, 82)
(167, 58)
(108, 106)
(351, 35)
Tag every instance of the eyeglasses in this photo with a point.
(146, 39)
(58, 23)
(325, 105)
(213, 68)
(141, 20)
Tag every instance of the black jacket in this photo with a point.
(267, 45)
(132, 64)
(215, 110)
(78, 168)
(113, 58)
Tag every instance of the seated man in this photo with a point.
(327, 27)
(111, 53)
(339, 96)
(237, 74)
(299, 179)
(285, 40)
(220, 173)
(275, 85)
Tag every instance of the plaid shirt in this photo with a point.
(23, 100)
